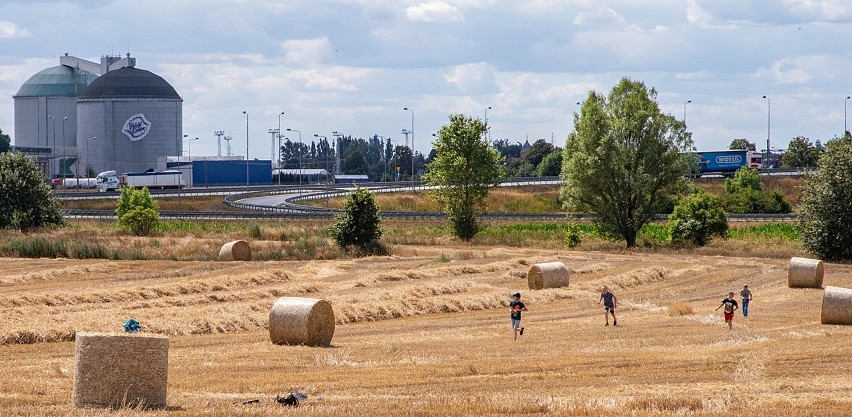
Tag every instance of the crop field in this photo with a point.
(426, 332)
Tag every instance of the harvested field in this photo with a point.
(426, 332)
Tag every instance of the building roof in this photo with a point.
(58, 81)
(129, 82)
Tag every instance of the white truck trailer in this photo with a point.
(110, 181)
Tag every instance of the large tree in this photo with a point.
(537, 151)
(825, 210)
(464, 170)
(624, 159)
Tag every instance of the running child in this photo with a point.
(730, 306)
(516, 306)
(610, 302)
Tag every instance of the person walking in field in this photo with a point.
(516, 306)
(745, 293)
(730, 306)
(610, 302)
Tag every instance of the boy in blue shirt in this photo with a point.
(515, 308)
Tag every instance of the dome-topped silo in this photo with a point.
(136, 117)
(46, 112)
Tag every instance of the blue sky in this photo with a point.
(352, 65)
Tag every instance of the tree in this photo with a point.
(624, 159)
(355, 164)
(825, 209)
(464, 170)
(537, 151)
(137, 211)
(26, 202)
(800, 153)
(550, 165)
(5, 142)
(358, 225)
(696, 218)
(742, 144)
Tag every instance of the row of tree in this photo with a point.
(800, 152)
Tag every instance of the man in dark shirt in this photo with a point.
(610, 302)
(730, 306)
(515, 308)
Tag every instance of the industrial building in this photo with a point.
(107, 116)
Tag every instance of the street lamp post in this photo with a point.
(247, 149)
(53, 121)
(62, 171)
(300, 153)
(189, 155)
(279, 143)
(684, 110)
(326, 165)
(768, 128)
(337, 135)
(412, 145)
(487, 129)
(845, 129)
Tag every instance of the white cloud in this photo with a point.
(600, 15)
(11, 30)
(306, 52)
(785, 71)
(434, 12)
(333, 79)
(821, 10)
(471, 78)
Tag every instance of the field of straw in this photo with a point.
(426, 332)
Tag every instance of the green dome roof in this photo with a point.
(58, 81)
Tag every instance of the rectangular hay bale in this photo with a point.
(120, 370)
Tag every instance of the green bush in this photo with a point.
(744, 195)
(696, 218)
(26, 202)
(825, 211)
(137, 211)
(359, 224)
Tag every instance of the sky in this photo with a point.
(351, 66)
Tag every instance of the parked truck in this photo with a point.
(726, 162)
(111, 181)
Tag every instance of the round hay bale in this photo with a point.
(238, 250)
(836, 306)
(301, 321)
(547, 275)
(805, 273)
(120, 370)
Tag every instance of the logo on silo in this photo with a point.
(136, 127)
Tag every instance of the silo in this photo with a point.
(46, 113)
(136, 117)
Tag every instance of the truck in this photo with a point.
(726, 162)
(111, 181)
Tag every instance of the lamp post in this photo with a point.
(62, 171)
(845, 129)
(279, 145)
(247, 149)
(326, 165)
(768, 129)
(487, 130)
(412, 145)
(684, 110)
(337, 135)
(300, 153)
(88, 157)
